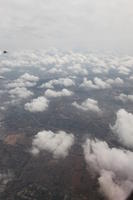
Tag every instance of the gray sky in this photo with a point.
(67, 24)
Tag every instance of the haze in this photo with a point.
(73, 24)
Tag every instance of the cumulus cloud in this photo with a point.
(124, 70)
(26, 80)
(77, 69)
(66, 82)
(63, 92)
(113, 189)
(114, 167)
(124, 98)
(98, 83)
(117, 82)
(20, 92)
(39, 104)
(18, 88)
(58, 143)
(123, 127)
(88, 105)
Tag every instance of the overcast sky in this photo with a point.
(67, 24)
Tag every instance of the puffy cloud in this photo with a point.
(20, 92)
(77, 69)
(29, 77)
(48, 84)
(58, 143)
(18, 88)
(26, 80)
(52, 93)
(124, 70)
(88, 84)
(39, 104)
(101, 84)
(114, 190)
(55, 70)
(88, 105)
(123, 127)
(124, 98)
(118, 81)
(98, 83)
(114, 166)
(67, 82)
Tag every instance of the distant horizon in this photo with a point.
(59, 50)
(74, 24)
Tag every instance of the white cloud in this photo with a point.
(47, 85)
(88, 84)
(123, 70)
(58, 143)
(101, 84)
(66, 82)
(113, 189)
(26, 80)
(123, 127)
(124, 97)
(39, 104)
(114, 167)
(29, 77)
(18, 88)
(55, 70)
(52, 93)
(97, 83)
(20, 92)
(77, 69)
(116, 82)
(88, 105)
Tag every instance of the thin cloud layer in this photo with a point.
(25, 26)
(58, 143)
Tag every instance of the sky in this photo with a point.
(94, 25)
